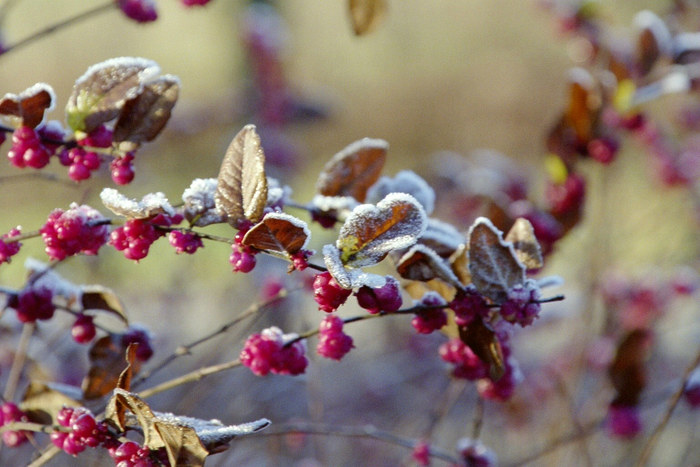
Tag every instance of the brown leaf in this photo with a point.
(106, 365)
(627, 372)
(493, 265)
(354, 169)
(278, 232)
(584, 105)
(527, 248)
(460, 264)
(241, 192)
(143, 117)
(420, 263)
(483, 342)
(30, 105)
(365, 15)
(42, 402)
(97, 297)
(653, 42)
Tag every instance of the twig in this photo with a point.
(189, 378)
(673, 402)
(40, 175)
(18, 361)
(478, 418)
(566, 394)
(46, 456)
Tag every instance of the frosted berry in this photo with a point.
(475, 453)
(52, 135)
(141, 11)
(624, 421)
(522, 306)
(77, 230)
(184, 242)
(332, 342)
(386, 298)
(9, 249)
(300, 259)
(266, 353)
(427, 321)
(34, 304)
(466, 364)
(421, 453)
(468, 304)
(328, 293)
(139, 335)
(83, 330)
(122, 169)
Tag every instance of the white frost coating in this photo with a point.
(444, 233)
(501, 241)
(150, 205)
(686, 41)
(646, 19)
(276, 193)
(406, 181)
(50, 279)
(150, 68)
(550, 281)
(330, 203)
(372, 143)
(349, 278)
(440, 269)
(199, 202)
(213, 431)
(273, 334)
(295, 221)
(431, 297)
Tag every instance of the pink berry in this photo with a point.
(386, 298)
(428, 321)
(624, 421)
(78, 172)
(141, 11)
(242, 258)
(567, 197)
(100, 137)
(83, 330)
(421, 453)
(603, 149)
(139, 335)
(122, 169)
(332, 342)
(267, 353)
(185, 242)
(328, 294)
(468, 304)
(7, 248)
(467, 364)
(79, 230)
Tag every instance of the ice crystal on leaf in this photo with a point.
(149, 206)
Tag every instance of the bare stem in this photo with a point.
(18, 362)
(189, 378)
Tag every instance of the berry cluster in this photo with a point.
(522, 306)
(131, 454)
(469, 304)
(329, 295)
(27, 149)
(386, 298)
(267, 353)
(242, 256)
(84, 432)
(81, 229)
(185, 242)
(7, 248)
(33, 303)
(466, 364)
(136, 236)
(9, 412)
(332, 341)
(122, 169)
(427, 321)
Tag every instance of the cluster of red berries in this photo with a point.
(522, 306)
(468, 304)
(122, 169)
(33, 303)
(27, 149)
(9, 413)
(9, 249)
(81, 229)
(386, 298)
(84, 432)
(332, 341)
(131, 454)
(466, 364)
(328, 294)
(136, 236)
(267, 353)
(185, 242)
(429, 320)
(242, 256)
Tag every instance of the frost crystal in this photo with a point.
(199, 202)
(337, 203)
(277, 194)
(405, 181)
(295, 221)
(349, 278)
(48, 278)
(150, 205)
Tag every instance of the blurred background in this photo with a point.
(433, 78)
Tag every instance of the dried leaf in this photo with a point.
(442, 238)
(278, 232)
(479, 337)
(106, 365)
(653, 42)
(420, 263)
(42, 402)
(143, 117)
(99, 95)
(584, 104)
(98, 297)
(493, 265)
(627, 372)
(525, 244)
(30, 105)
(371, 232)
(353, 170)
(460, 264)
(241, 191)
(365, 15)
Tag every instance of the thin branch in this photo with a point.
(46, 456)
(18, 361)
(478, 418)
(673, 402)
(38, 175)
(189, 378)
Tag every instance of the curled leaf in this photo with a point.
(365, 15)
(97, 297)
(30, 105)
(348, 277)
(353, 170)
(525, 244)
(653, 42)
(278, 232)
(106, 366)
(241, 191)
(420, 263)
(627, 371)
(405, 181)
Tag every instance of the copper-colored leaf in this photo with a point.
(241, 191)
(584, 105)
(371, 232)
(144, 116)
(354, 169)
(99, 95)
(525, 244)
(493, 265)
(627, 372)
(365, 15)
(653, 42)
(278, 232)
(420, 263)
(42, 402)
(30, 105)
(97, 297)
(484, 343)
(106, 365)
(460, 264)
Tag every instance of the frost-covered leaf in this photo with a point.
(98, 297)
(406, 181)
(348, 277)
(42, 402)
(365, 15)
(143, 117)
(106, 366)
(653, 42)
(30, 105)
(525, 244)
(371, 232)
(493, 264)
(241, 192)
(459, 261)
(353, 170)
(150, 205)
(200, 209)
(334, 203)
(420, 263)
(442, 238)
(479, 337)
(278, 232)
(100, 93)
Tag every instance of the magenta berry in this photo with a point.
(35, 304)
(522, 306)
(567, 197)
(326, 219)
(141, 11)
(467, 364)
(603, 149)
(475, 453)
(190, 3)
(691, 391)
(267, 353)
(386, 298)
(81, 229)
(328, 293)
(7, 248)
(9, 413)
(122, 169)
(624, 421)
(137, 334)
(300, 259)
(27, 149)
(135, 238)
(468, 304)
(184, 242)
(332, 342)
(83, 330)
(421, 453)
(100, 137)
